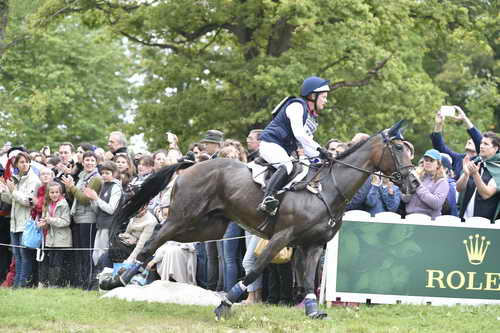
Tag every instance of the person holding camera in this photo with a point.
(472, 145)
(479, 185)
(383, 196)
(432, 187)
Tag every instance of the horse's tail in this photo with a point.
(153, 185)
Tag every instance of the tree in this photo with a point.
(225, 64)
(61, 83)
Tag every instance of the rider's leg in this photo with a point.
(277, 181)
(277, 156)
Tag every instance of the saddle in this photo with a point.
(262, 171)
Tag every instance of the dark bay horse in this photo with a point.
(210, 194)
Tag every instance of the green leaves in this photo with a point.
(63, 83)
(225, 64)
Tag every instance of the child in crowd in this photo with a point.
(105, 205)
(55, 222)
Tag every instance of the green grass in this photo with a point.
(71, 310)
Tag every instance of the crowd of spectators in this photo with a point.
(73, 194)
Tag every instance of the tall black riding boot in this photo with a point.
(270, 204)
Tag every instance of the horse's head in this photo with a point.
(395, 157)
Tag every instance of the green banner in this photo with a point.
(418, 260)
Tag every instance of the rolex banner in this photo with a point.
(419, 260)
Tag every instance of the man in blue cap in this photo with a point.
(294, 121)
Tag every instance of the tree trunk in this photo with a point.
(4, 16)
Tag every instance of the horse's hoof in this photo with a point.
(318, 315)
(222, 311)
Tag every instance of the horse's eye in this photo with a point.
(398, 147)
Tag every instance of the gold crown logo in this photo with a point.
(476, 250)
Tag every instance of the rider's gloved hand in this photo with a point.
(189, 157)
(324, 154)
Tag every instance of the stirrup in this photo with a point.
(269, 205)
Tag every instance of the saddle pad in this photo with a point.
(259, 173)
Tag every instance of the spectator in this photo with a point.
(126, 169)
(175, 262)
(55, 221)
(450, 205)
(358, 137)
(173, 153)
(45, 151)
(358, 201)
(84, 228)
(383, 195)
(117, 143)
(253, 142)
(160, 159)
(52, 163)
(230, 249)
(46, 177)
(138, 232)
(145, 167)
(213, 141)
(471, 147)
(242, 154)
(20, 193)
(255, 289)
(432, 187)
(196, 148)
(480, 183)
(66, 164)
(332, 146)
(105, 205)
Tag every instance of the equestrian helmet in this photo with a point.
(314, 84)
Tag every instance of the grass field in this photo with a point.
(71, 310)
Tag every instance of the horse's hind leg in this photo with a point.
(311, 258)
(276, 243)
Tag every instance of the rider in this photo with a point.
(294, 120)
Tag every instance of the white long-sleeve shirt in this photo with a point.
(302, 132)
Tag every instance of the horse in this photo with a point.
(208, 195)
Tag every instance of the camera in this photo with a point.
(447, 111)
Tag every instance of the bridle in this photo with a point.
(396, 176)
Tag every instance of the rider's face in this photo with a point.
(321, 102)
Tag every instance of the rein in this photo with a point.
(395, 177)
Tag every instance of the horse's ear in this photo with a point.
(396, 131)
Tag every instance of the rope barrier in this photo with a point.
(96, 248)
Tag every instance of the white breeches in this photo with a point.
(276, 155)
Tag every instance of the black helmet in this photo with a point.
(314, 84)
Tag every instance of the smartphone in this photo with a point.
(448, 111)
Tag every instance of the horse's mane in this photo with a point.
(353, 148)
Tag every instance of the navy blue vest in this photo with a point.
(103, 219)
(279, 130)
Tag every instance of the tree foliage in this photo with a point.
(64, 82)
(225, 63)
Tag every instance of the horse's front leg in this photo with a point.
(312, 255)
(277, 242)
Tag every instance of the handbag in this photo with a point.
(284, 256)
(32, 235)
